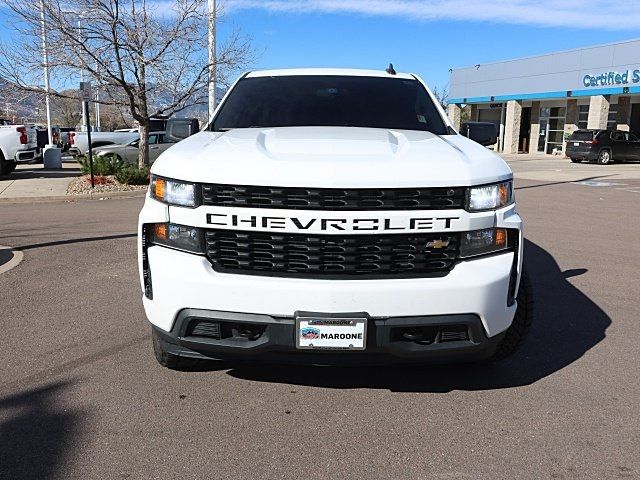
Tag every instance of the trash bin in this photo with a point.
(52, 157)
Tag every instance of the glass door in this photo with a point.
(551, 129)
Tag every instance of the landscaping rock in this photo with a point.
(106, 184)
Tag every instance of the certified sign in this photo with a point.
(331, 333)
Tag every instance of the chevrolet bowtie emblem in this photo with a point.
(438, 243)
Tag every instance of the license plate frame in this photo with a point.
(332, 325)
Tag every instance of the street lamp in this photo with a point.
(45, 58)
(212, 56)
(81, 15)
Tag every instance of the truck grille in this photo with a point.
(333, 199)
(331, 256)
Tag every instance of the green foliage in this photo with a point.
(132, 175)
(102, 165)
(124, 172)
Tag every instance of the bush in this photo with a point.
(102, 165)
(131, 175)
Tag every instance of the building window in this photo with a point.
(612, 120)
(583, 116)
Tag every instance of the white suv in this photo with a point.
(331, 216)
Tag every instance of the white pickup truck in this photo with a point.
(332, 216)
(17, 144)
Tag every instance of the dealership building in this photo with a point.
(537, 102)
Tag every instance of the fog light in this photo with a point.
(481, 242)
(181, 237)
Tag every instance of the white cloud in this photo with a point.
(581, 14)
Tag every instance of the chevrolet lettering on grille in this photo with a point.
(292, 223)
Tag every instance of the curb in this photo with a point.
(16, 258)
(73, 198)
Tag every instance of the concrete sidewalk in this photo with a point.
(33, 181)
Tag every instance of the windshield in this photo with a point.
(336, 101)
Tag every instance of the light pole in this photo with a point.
(97, 98)
(81, 74)
(212, 56)
(45, 58)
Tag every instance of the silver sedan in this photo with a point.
(129, 151)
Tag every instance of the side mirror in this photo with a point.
(181, 128)
(484, 133)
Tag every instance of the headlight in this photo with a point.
(173, 192)
(490, 197)
(481, 242)
(181, 237)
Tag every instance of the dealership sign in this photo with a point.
(611, 78)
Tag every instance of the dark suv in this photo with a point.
(605, 146)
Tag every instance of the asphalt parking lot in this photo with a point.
(82, 397)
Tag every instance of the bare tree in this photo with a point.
(150, 57)
(113, 117)
(67, 110)
(442, 95)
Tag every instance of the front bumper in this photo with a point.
(475, 288)
(182, 280)
(385, 343)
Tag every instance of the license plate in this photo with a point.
(331, 333)
(576, 144)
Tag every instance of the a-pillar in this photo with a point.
(535, 127)
(455, 115)
(571, 120)
(598, 112)
(624, 110)
(512, 126)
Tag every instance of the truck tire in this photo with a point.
(175, 362)
(6, 166)
(522, 321)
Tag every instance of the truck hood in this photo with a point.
(340, 157)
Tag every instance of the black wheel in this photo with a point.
(522, 321)
(6, 166)
(576, 160)
(605, 157)
(175, 362)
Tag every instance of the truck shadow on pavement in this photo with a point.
(566, 325)
(39, 172)
(35, 433)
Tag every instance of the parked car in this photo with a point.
(99, 139)
(603, 146)
(129, 151)
(17, 144)
(175, 129)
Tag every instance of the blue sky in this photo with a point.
(426, 37)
